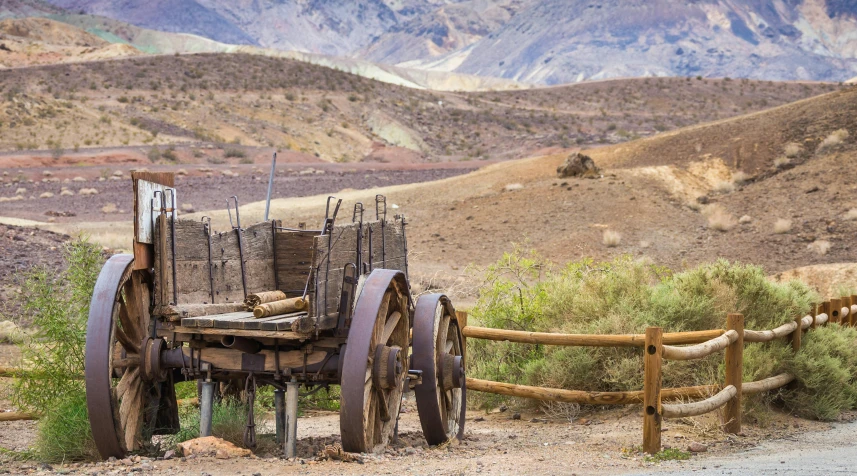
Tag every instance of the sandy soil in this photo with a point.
(603, 440)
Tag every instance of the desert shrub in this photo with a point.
(718, 218)
(792, 150)
(782, 226)
(835, 138)
(724, 186)
(228, 421)
(611, 238)
(55, 305)
(825, 371)
(820, 247)
(523, 291)
(230, 153)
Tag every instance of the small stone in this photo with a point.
(695, 447)
(516, 416)
(169, 454)
(503, 408)
(479, 419)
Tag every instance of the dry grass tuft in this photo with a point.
(718, 218)
(512, 187)
(46, 195)
(611, 239)
(87, 191)
(745, 219)
(724, 186)
(782, 226)
(109, 208)
(781, 162)
(792, 150)
(20, 191)
(66, 193)
(819, 246)
(78, 179)
(850, 214)
(835, 138)
(740, 177)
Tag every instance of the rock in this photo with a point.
(702, 200)
(169, 454)
(516, 416)
(212, 445)
(503, 408)
(578, 165)
(9, 332)
(479, 419)
(695, 447)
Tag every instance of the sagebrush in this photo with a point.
(525, 292)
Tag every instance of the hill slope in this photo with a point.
(264, 102)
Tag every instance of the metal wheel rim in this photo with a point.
(357, 388)
(441, 413)
(117, 406)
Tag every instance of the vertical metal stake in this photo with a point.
(270, 185)
(292, 418)
(206, 406)
(280, 415)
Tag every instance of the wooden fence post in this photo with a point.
(734, 370)
(813, 311)
(652, 358)
(849, 319)
(825, 309)
(461, 317)
(853, 302)
(797, 334)
(835, 311)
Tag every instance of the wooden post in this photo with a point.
(652, 358)
(734, 370)
(853, 302)
(835, 311)
(461, 317)
(813, 311)
(825, 309)
(797, 334)
(849, 319)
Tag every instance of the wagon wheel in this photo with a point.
(375, 361)
(127, 402)
(437, 352)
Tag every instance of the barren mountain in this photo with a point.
(536, 41)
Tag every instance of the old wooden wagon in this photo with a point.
(175, 310)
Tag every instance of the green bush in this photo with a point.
(825, 372)
(523, 291)
(55, 306)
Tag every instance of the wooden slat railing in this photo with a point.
(658, 346)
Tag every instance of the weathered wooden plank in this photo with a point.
(224, 321)
(209, 321)
(294, 251)
(284, 323)
(176, 312)
(250, 323)
(286, 335)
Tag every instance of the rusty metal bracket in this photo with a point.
(238, 231)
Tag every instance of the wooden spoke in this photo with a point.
(129, 327)
(390, 326)
(130, 345)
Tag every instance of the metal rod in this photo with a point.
(274, 254)
(280, 415)
(270, 185)
(240, 240)
(292, 418)
(173, 209)
(206, 406)
(207, 229)
(382, 217)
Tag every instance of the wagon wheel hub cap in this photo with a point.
(387, 367)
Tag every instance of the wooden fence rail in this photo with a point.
(658, 346)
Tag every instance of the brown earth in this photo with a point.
(283, 104)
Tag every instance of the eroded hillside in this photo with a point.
(274, 103)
